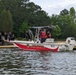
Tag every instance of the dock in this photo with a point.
(8, 46)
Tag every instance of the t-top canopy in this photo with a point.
(39, 27)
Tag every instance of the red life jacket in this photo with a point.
(43, 34)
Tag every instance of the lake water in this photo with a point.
(18, 62)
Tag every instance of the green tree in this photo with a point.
(24, 27)
(56, 32)
(67, 24)
(6, 21)
(23, 10)
(64, 12)
(72, 12)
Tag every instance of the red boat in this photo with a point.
(48, 45)
(37, 47)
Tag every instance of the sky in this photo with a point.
(55, 6)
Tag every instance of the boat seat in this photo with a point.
(49, 40)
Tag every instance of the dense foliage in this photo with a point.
(18, 15)
(66, 20)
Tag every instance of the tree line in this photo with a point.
(18, 16)
(66, 22)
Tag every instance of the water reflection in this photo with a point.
(15, 61)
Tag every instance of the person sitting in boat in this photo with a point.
(43, 36)
(48, 34)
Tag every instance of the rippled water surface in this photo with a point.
(15, 61)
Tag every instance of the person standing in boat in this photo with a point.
(27, 36)
(40, 32)
(43, 36)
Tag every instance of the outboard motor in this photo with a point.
(70, 42)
